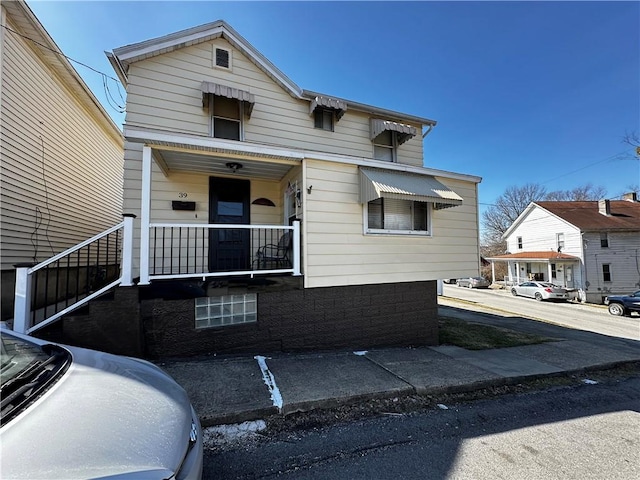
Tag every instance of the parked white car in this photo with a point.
(540, 291)
(71, 413)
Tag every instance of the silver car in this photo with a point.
(540, 291)
(71, 413)
(473, 282)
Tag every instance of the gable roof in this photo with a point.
(122, 57)
(625, 214)
(30, 27)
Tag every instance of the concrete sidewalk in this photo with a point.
(232, 389)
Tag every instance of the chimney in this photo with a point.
(604, 207)
(631, 196)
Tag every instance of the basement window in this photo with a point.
(226, 310)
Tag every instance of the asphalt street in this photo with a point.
(592, 318)
(581, 432)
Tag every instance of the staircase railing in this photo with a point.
(67, 281)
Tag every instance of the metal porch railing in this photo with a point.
(214, 250)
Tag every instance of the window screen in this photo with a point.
(397, 215)
(222, 58)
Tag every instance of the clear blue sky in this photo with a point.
(538, 92)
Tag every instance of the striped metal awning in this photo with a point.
(377, 183)
(228, 92)
(404, 132)
(339, 106)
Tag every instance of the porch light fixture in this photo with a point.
(234, 166)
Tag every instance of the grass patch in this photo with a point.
(474, 336)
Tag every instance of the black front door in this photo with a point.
(229, 203)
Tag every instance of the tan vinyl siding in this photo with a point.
(164, 93)
(339, 253)
(61, 171)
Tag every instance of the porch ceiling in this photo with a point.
(216, 164)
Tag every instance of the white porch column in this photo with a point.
(22, 299)
(126, 276)
(145, 215)
(518, 273)
(296, 248)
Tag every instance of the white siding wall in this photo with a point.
(339, 253)
(61, 172)
(164, 93)
(623, 255)
(538, 231)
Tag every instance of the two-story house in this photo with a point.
(268, 217)
(590, 247)
(62, 155)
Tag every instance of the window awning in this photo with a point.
(377, 183)
(229, 92)
(330, 103)
(405, 132)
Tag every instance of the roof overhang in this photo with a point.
(378, 183)
(546, 256)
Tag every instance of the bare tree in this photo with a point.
(508, 207)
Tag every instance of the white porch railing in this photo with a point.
(65, 282)
(187, 250)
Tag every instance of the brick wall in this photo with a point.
(358, 317)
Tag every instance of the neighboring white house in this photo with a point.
(62, 164)
(590, 246)
(268, 217)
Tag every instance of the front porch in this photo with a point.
(547, 266)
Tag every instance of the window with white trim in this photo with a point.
(519, 240)
(604, 240)
(385, 146)
(560, 241)
(606, 272)
(395, 216)
(226, 117)
(226, 310)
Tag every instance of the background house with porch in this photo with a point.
(268, 217)
(593, 247)
(62, 155)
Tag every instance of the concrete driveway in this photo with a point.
(589, 317)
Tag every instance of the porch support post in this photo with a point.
(518, 272)
(22, 299)
(145, 215)
(296, 248)
(493, 272)
(126, 277)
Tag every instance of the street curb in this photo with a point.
(325, 404)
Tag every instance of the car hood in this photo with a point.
(107, 416)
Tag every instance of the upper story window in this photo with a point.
(221, 57)
(228, 108)
(387, 136)
(323, 119)
(392, 215)
(384, 147)
(519, 240)
(560, 241)
(326, 112)
(227, 118)
(604, 240)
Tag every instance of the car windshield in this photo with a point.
(17, 355)
(27, 371)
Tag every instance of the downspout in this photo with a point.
(424, 134)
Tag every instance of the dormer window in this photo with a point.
(222, 57)
(387, 136)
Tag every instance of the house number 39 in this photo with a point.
(182, 195)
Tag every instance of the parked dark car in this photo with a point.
(623, 304)
(473, 282)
